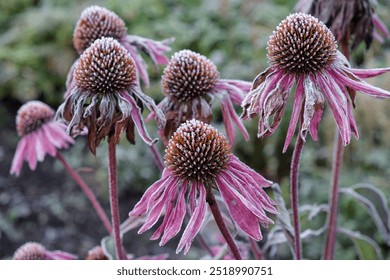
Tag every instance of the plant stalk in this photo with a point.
(114, 198)
(296, 157)
(88, 192)
(221, 224)
(334, 197)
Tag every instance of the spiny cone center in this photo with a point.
(197, 151)
(96, 22)
(31, 116)
(30, 251)
(189, 75)
(105, 67)
(302, 44)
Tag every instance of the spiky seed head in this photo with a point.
(96, 253)
(105, 67)
(31, 116)
(188, 75)
(30, 251)
(197, 151)
(302, 44)
(96, 22)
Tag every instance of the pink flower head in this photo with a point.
(105, 98)
(35, 251)
(303, 51)
(198, 159)
(40, 135)
(350, 21)
(190, 83)
(96, 22)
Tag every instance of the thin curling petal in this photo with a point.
(229, 116)
(195, 222)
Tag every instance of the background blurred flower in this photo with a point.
(40, 135)
(35, 251)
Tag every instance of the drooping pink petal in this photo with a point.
(176, 218)
(157, 207)
(236, 89)
(315, 121)
(380, 26)
(251, 192)
(56, 134)
(296, 112)
(338, 105)
(60, 255)
(30, 150)
(20, 155)
(230, 116)
(135, 113)
(195, 222)
(168, 213)
(155, 49)
(368, 73)
(238, 209)
(151, 194)
(358, 84)
(139, 62)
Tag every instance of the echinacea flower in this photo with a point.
(35, 251)
(40, 135)
(303, 51)
(190, 82)
(347, 19)
(105, 97)
(198, 159)
(96, 22)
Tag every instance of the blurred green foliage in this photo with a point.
(36, 52)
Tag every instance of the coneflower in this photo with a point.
(35, 251)
(40, 135)
(198, 161)
(351, 21)
(96, 22)
(105, 100)
(190, 83)
(303, 52)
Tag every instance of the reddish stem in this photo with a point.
(296, 157)
(221, 224)
(114, 198)
(88, 192)
(256, 250)
(333, 198)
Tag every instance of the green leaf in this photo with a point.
(108, 246)
(366, 248)
(375, 202)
